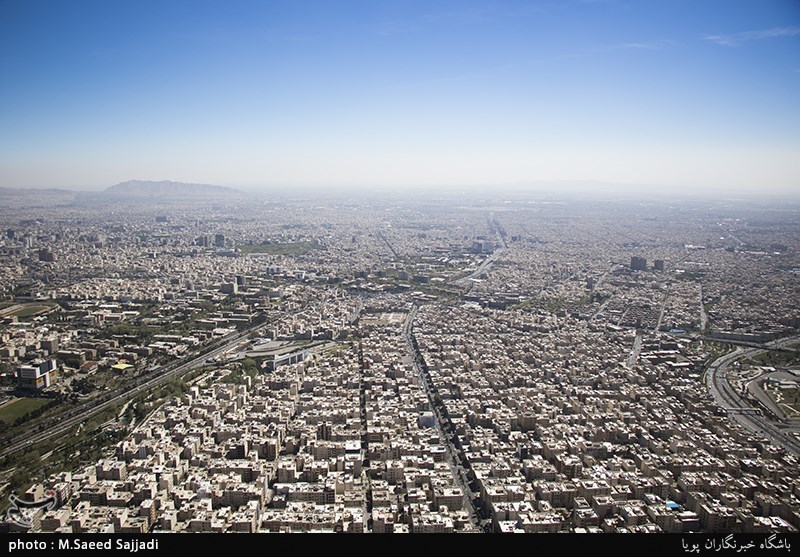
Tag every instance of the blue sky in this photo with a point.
(691, 93)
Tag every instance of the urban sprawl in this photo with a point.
(397, 364)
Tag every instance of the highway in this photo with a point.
(662, 310)
(467, 280)
(718, 385)
(69, 419)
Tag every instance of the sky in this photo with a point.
(664, 93)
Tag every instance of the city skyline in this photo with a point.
(690, 95)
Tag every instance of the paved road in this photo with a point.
(592, 290)
(467, 280)
(762, 347)
(662, 310)
(389, 245)
(458, 472)
(727, 398)
(703, 314)
(637, 347)
(756, 390)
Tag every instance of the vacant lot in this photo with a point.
(19, 407)
(24, 310)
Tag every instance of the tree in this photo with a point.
(20, 479)
(250, 367)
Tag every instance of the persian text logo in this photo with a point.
(22, 512)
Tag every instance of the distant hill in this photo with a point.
(167, 189)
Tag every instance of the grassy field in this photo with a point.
(28, 311)
(778, 359)
(13, 410)
(288, 248)
(24, 310)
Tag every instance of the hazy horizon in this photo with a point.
(520, 192)
(664, 96)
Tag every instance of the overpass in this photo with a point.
(744, 410)
(731, 402)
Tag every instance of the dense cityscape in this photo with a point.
(447, 362)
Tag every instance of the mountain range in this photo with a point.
(167, 189)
